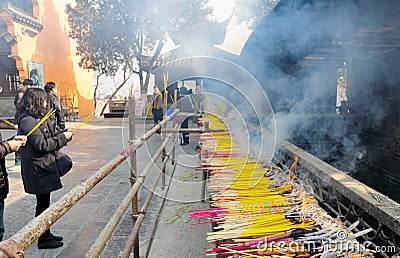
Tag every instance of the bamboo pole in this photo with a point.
(133, 238)
(133, 169)
(105, 234)
(194, 130)
(163, 127)
(173, 125)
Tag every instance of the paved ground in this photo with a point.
(93, 146)
(176, 233)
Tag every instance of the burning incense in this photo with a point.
(266, 218)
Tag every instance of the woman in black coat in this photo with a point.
(39, 171)
(6, 147)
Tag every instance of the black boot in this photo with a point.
(46, 241)
(49, 244)
(57, 238)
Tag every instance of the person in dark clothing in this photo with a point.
(39, 171)
(198, 104)
(20, 93)
(27, 83)
(53, 102)
(6, 147)
(184, 104)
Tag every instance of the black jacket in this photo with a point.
(17, 100)
(185, 103)
(38, 168)
(54, 103)
(4, 187)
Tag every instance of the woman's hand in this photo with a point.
(17, 142)
(22, 138)
(68, 135)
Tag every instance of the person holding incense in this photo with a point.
(53, 102)
(157, 105)
(40, 174)
(22, 86)
(6, 147)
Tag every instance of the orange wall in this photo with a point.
(56, 51)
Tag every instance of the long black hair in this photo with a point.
(33, 101)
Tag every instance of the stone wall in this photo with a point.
(380, 165)
(367, 149)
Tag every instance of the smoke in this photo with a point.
(303, 90)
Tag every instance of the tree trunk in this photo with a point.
(115, 92)
(95, 91)
(144, 86)
(151, 65)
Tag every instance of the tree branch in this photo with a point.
(115, 92)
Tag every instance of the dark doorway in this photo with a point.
(8, 76)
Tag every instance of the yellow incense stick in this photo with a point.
(8, 122)
(195, 102)
(219, 107)
(173, 102)
(165, 76)
(86, 120)
(49, 114)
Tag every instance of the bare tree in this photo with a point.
(115, 34)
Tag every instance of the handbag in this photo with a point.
(64, 163)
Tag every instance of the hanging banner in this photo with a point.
(36, 74)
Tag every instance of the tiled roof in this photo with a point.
(21, 16)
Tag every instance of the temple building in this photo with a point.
(34, 44)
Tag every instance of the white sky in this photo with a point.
(236, 34)
(222, 8)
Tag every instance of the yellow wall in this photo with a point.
(56, 51)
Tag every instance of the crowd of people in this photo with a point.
(40, 135)
(188, 102)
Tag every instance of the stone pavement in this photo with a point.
(92, 146)
(176, 233)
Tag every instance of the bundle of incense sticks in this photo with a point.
(8, 122)
(274, 216)
(83, 122)
(45, 117)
